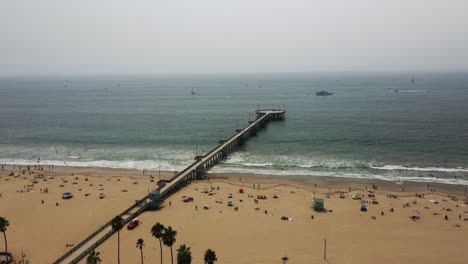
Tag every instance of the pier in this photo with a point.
(196, 170)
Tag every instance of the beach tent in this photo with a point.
(355, 197)
(241, 190)
(67, 195)
(363, 208)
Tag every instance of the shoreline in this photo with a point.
(325, 182)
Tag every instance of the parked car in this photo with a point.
(134, 223)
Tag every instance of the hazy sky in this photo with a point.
(203, 36)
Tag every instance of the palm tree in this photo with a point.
(93, 258)
(210, 257)
(117, 224)
(140, 244)
(169, 239)
(3, 227)
(157, 231)
(184, 256)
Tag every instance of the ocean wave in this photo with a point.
(422, 169)
(118, 164)
(292, 162)
(361, 176)
(242, 159)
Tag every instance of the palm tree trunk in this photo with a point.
(6, 246)
(172, 258)
(141, 255)
(160, 246)
(118, 247)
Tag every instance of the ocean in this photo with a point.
(364, 131)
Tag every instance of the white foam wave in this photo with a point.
(413, 91)
(288, 173)
(251, 160)
(426, 169)
(118, 164)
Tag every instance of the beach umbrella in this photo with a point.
(373, 199)
(67, 193)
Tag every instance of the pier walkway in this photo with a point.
(194, 171)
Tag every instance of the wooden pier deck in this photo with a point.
(194, 171)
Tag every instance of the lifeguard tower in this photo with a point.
(319, 204)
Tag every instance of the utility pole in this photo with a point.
(325, 249)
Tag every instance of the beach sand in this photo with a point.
(244, 236)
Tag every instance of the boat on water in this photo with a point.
(192, 92)
(323, 93)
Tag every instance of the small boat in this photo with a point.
(192, 92)
(323, 93)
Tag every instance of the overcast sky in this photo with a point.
(56, 37)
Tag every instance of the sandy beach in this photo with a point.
(254, 233)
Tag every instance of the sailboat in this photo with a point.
(192, 92)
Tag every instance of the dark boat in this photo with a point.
(323, 93)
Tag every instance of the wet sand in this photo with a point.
(244, 236)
